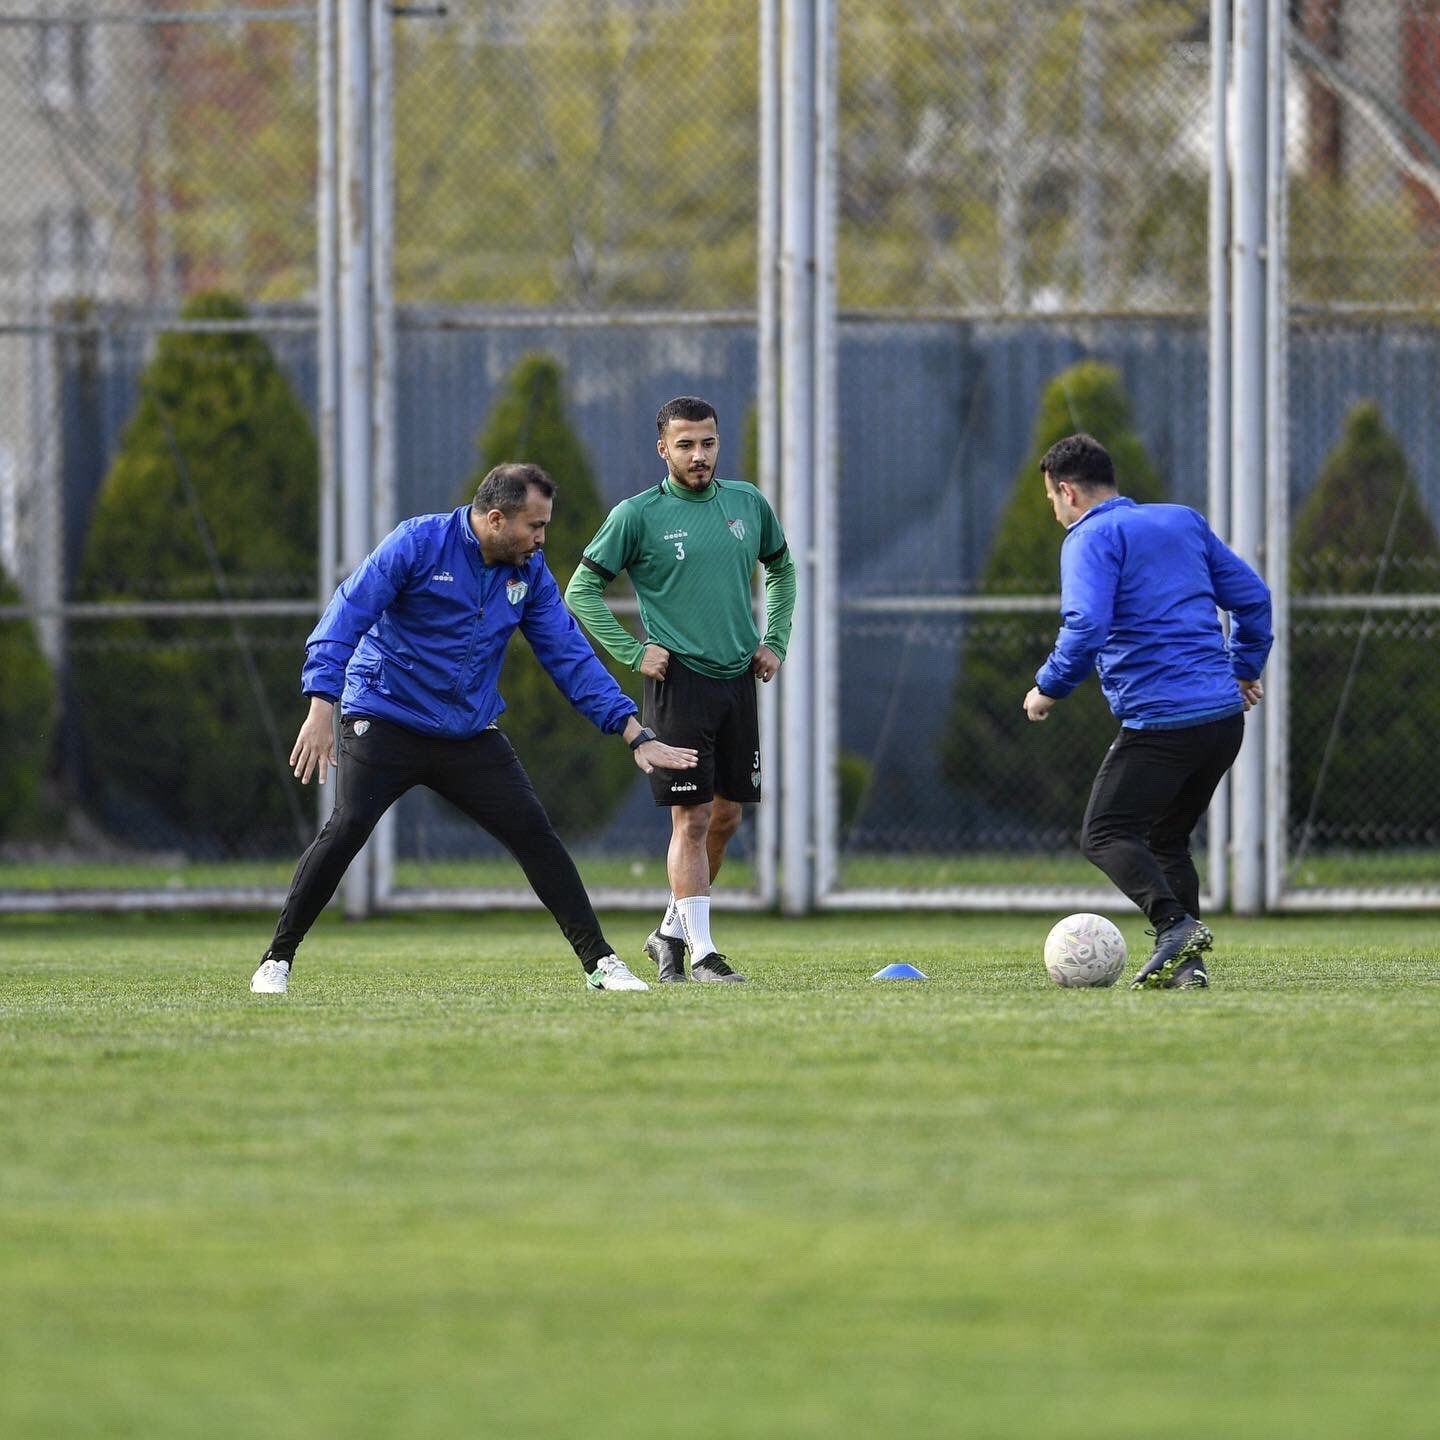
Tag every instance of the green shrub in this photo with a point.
(579, 774)
(855, 775)
(1025, 778)
(27, 722)
(212, 494)
(1363, 530)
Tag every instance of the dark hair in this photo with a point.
(685, 407)
(507, 489)
(1082, 460)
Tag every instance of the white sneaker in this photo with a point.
(612, 973)
(272, 978)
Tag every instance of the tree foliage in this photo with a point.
(992, 154)
(27, 721)
(212, 496)
(606, 183)
(580, 774)
(1044, 170)
(1034, 779)
(1366, 690)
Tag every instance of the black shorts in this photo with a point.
(721, 720)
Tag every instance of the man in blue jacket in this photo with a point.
(410, 647)
(1139, 589)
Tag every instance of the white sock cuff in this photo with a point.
(695, 916)
(671, 925)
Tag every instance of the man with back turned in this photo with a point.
(1139, 590)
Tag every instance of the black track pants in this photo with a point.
(1152, 788)
(481, 776)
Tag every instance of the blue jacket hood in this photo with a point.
(417, 634)
(1140, 586)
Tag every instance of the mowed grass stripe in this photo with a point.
(441, 1189)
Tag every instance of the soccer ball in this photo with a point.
(1084, 950)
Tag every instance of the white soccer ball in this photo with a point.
(1084, 950)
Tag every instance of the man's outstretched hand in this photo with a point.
(315, 744)
(657, 755)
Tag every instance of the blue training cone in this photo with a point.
(900, 971)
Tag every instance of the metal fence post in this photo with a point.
(355, 334)
(327, 201)
(1219, 364)
(1249, 391)
(797, 444)
(825, 591)
(383, 341)
(767, 386)
(1277, 466)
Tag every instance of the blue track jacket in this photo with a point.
(417, 635)
(1139, 588)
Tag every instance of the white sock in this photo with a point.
(695, 917)
(671, 925)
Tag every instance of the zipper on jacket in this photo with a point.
(475, 630)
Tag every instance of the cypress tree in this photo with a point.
(579, 774)
(1365, 689)
(27, 721)
(1031, 781)
(211, 496)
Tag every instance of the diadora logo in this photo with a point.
(445, 576)
(684, 789)
(677, 534)
(516, 590)
(736, 528)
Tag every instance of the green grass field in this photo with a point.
(442, 1190)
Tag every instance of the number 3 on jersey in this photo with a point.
(679, 549)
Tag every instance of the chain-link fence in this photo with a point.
(575, 244)
(566, 258)
(1021, 220)
(158, 469)
(1363, 804)
(1023, 199)
(1023, 195)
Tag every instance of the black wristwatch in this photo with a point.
(646, 733)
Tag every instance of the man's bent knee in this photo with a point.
(1095, 841)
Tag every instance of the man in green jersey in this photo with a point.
(690, 545)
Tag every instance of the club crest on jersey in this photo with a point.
(516, 590)
(737, 528)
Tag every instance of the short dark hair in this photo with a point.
(685, 407)
(1082, 460)
(507, 488)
